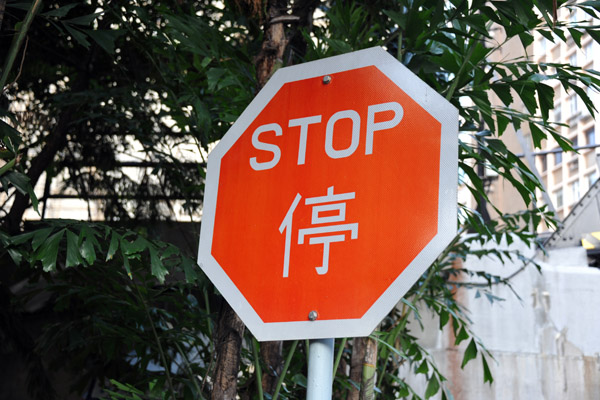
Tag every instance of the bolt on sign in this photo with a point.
(330, 196)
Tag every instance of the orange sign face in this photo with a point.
(324, 198)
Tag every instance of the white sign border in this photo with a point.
(426, 97)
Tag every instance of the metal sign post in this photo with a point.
(320, 369)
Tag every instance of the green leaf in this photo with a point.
(200, 65)
(585, 98)
(114, 245)
(595, 34)
(157, 267)
(526, 39)
(126, 262)
(9, 135)
(8, 166)
(547, 34)
(139, 245)
(22, 238)
(403, 391)
(73, 257)
(545, 98)
(39, 237)
(470, 353)
(126, 387)
(16, 256)
(19, 180)
(105, 38)
(61, 11)
(487, 375)
(526, 92)
(502, 122)
(19, 6)
(423, 368)
(462, 335)
(87, 251)
(502, 90)
(444, 318)
(537, 135)
(433, 386)
(190, 269)
(48, 252)
(398, 17)
(78, 36)
(576, 35)
(84, 20)
(213, 76)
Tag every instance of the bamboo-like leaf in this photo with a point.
(84, 20)
(73, 257)
(115, 239)
(487, 375)
(462, 335)
(444, 318)
(470, 353)
(39, 237)
(61, 11)
(126, 264)
(19, 180)
(79, 36)
(105, 38)
(423, 368)
(433, 386)
(87, 251)
(48, 251)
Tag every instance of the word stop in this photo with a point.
(305, 122)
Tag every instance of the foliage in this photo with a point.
(104, 83)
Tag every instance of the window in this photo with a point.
(543, 163)
(543, 46)
(573, 105)
(557, 157)
(574, 191)
(574, 16)
(590, 136)
(587, 51)
(573, 59)
(558, 195)
(556, 52)
(592, 178)
(573, 167)
(557, 113)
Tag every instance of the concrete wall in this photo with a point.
(546, 344)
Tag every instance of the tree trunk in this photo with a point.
(230, 333)
(362, 368)
(356, 364)
(268, 60)
(54, 142)
(367, 386)
(272, 355)
(273, 46)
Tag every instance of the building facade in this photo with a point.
(567, 176)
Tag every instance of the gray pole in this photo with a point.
(320, 370)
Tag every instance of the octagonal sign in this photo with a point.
(329, 197)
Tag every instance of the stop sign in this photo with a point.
(329, 197)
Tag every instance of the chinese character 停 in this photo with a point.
(327, 209)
